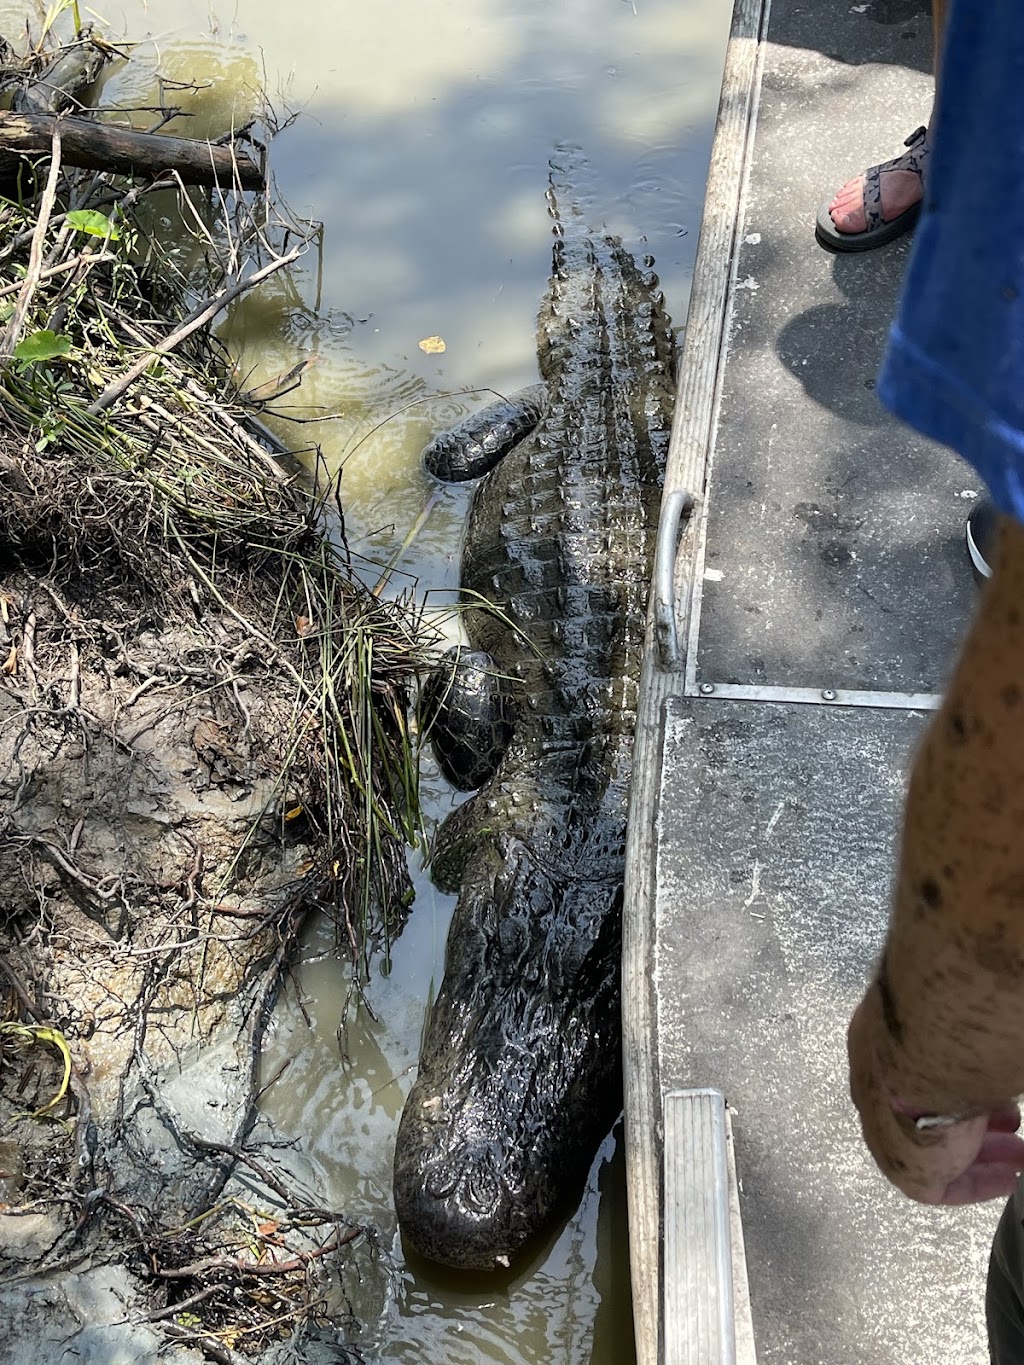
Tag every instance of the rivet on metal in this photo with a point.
(828, 694)
(707, 689)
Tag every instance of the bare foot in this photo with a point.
(900, 191)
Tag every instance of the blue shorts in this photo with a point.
(954, 367)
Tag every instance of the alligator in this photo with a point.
(520, 1072)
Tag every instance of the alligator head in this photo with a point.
(519, 1074)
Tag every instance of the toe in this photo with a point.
(853, 189)
(900, 191)
(847, 208)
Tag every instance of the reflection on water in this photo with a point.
(422, 146)
(370, 421)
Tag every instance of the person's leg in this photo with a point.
(900, 189)
(938, 33)
(1004, 1308)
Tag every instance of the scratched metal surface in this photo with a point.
(835, 534)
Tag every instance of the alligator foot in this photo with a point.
(466, 711)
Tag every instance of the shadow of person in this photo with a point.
(834, 349)
(896, 32)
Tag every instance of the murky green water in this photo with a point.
(422, 144)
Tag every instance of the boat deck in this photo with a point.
(812, 614)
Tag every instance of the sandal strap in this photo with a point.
(873, 197)
(915, 160)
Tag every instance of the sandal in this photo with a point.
(878, 230)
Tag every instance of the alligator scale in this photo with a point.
(519, 1075)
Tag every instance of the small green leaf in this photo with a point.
(43, 345)
(95, 223)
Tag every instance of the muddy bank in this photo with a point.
(202, 741)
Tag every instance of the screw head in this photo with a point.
(828, 694)
(707, 689)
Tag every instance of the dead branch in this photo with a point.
(209, 1346)
(87, 258)
(57, 86)
(35, 262)
(182, 1305)
(104, 147)
(21, 991)
(231, 1265)
(204, 314)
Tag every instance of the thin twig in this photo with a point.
(202, 315)
(210, 1346)
(21, 991)
(12, 331)
(259, 1269)
(83, 257)
(183, 1305)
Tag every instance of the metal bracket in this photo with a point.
(674, 507)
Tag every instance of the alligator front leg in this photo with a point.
(466, 711)
(476, 445)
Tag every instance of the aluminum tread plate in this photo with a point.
(776, 834)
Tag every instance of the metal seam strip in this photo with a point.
(815, 696)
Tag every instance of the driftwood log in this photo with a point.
(104, 147)
(58, 85)
(27, 131)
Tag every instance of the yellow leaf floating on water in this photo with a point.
(433, 345)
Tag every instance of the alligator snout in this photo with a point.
(457, 1210)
